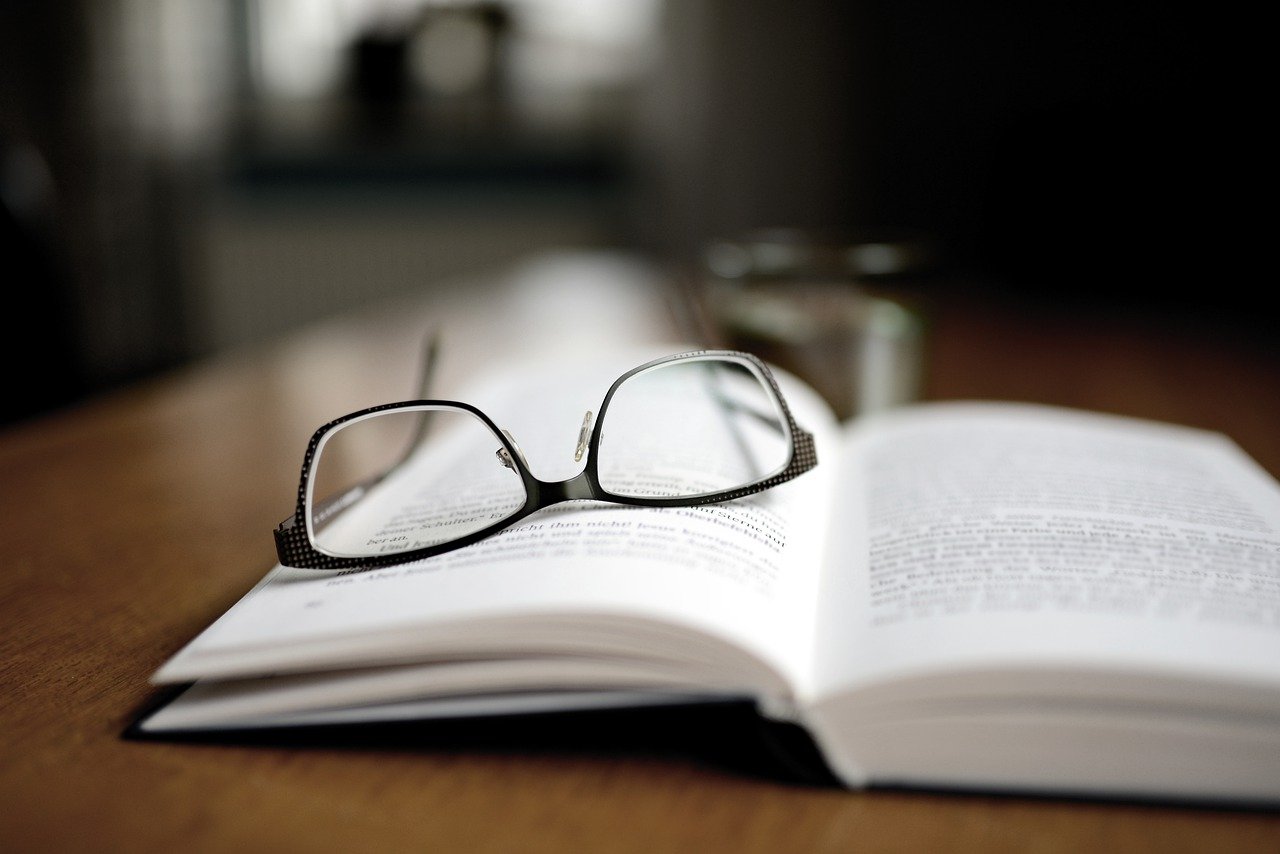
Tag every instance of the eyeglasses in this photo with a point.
(410, 480)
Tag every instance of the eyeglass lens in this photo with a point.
(689, 428)
(406, 479)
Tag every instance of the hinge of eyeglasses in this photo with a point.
(584, 433)
(505, 458)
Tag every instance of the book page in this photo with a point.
(581, 578)
(1006, 537)
(413, 689)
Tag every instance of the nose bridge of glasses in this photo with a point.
(584, 437)
(576, 487)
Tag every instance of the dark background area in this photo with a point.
(162, 199)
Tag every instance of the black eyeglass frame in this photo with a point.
(293, 540)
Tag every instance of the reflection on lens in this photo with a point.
(692, 427)
(407, 479)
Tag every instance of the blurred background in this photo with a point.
(180, 177)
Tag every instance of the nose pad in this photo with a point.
(584, 433)
(505, 458)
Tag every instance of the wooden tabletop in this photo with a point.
(130, 522)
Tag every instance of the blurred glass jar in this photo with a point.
(807, 306)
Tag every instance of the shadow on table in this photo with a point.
(730, 736)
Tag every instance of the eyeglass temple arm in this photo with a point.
(766, 419)
(427, 362)
(324, 512)
(728, 404)
(727, 407)
(426, 376)
(326, 509)
(802, 439)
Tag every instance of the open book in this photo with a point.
(964, 595)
